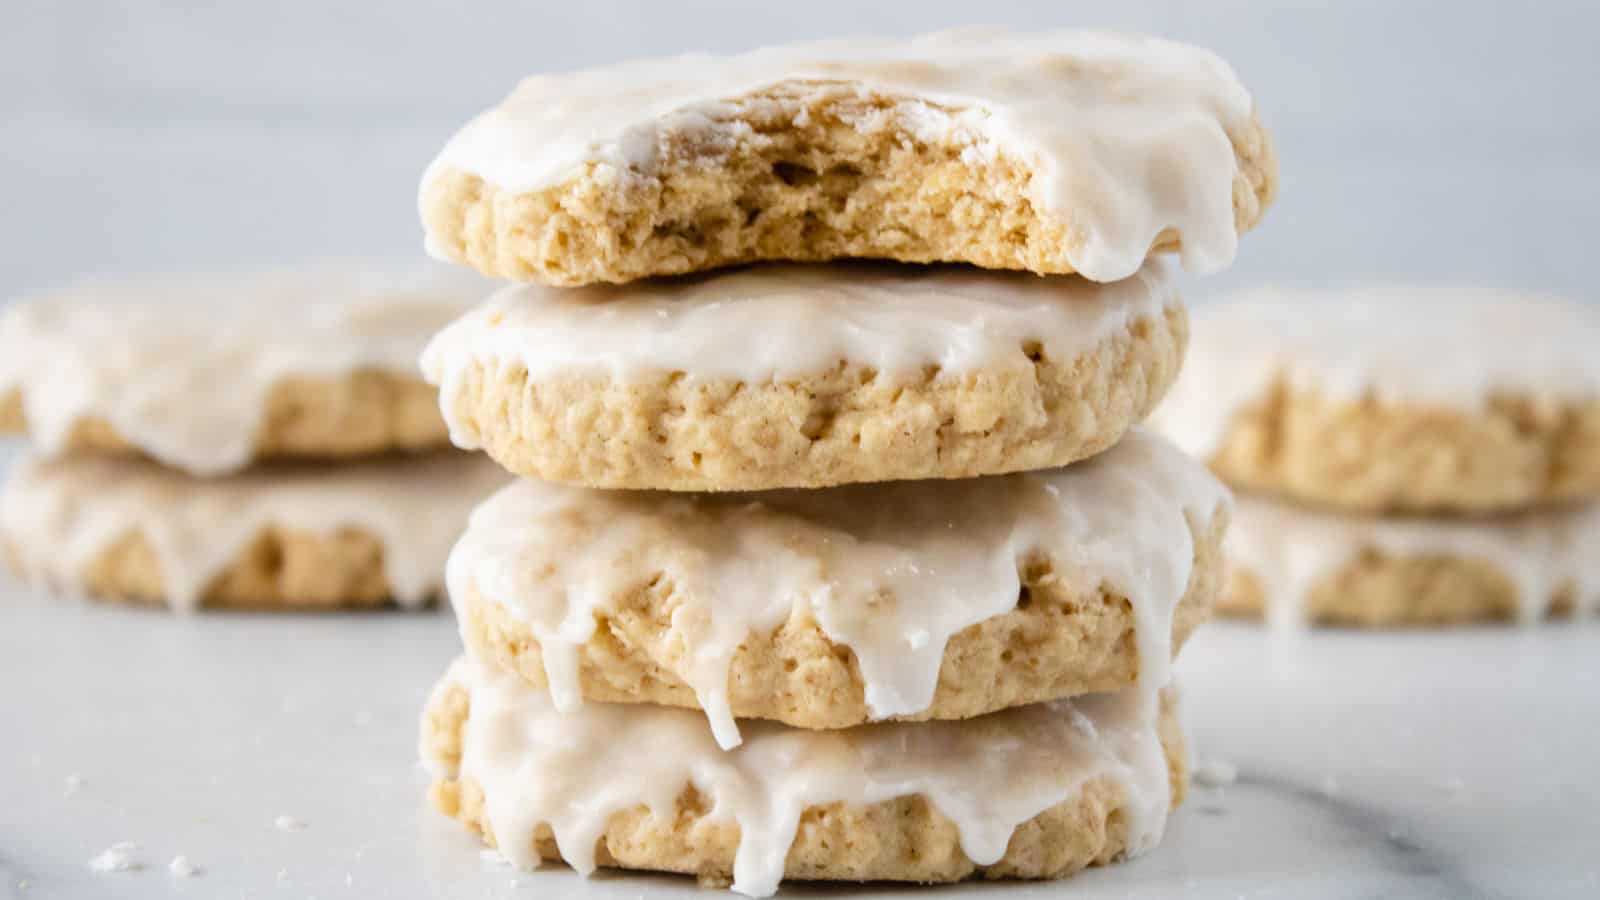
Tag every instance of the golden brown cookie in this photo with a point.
(1033, 792)
(1305, 565)
(1053, 152)
(1404, 399)
(289, 536)
(822, 609)
(807, 376)
(207, 373)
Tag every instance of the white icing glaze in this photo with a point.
(181, 366)
(1403, 345)
(573, 771)
(1127, 135)
(1290, 549)
(791, 322)
(890, 570)
(60, 515)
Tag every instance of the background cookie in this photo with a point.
(1395, 398)
(1034, 792)
(206, 373)
(1294, 564)
(283, 536)
(807, 376)
(822, 609)
(1054, 152)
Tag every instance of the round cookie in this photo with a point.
(1293, 565)
(807, 376)
(1031, 792)
(824, 609)
(1395, 399)
(209, 372)
(1055, 152)
(290, 536)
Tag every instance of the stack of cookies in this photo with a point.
(1417, 455)
(257, 439)
(850, 571)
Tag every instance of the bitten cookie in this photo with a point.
(286, 536)
(207, 373)
(807, 376)
(1034, 792)
(1056, 152)
(822, 609)
(1395, 399)
(1297, 565)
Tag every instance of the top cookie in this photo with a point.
(206, 373)
(1068, 151)
(1395, 399)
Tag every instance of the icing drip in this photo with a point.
(781, 322)
(1396, 345)
(573, 771)
(61, 515)
(1127, 136)
(1290, 549)
(890, 570)
(182, 367)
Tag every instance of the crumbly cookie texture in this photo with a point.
(797, 171)
(1378, 590)
(278, 569)
(847, 425)
(904, 839)
(355, 414)
(1517, 450)
(1064, 638)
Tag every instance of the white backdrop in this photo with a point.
(1448, 140)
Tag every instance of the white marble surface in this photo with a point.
(1451, 765)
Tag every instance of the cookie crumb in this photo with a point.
(181, 867)
(289, 823)
(117, 858)
(1216, 773)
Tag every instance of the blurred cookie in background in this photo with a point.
(289, 535)
(206, 373)
(1407, 455)
(1395, 399)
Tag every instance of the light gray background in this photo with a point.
(1447, 140)
(1440, 140)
